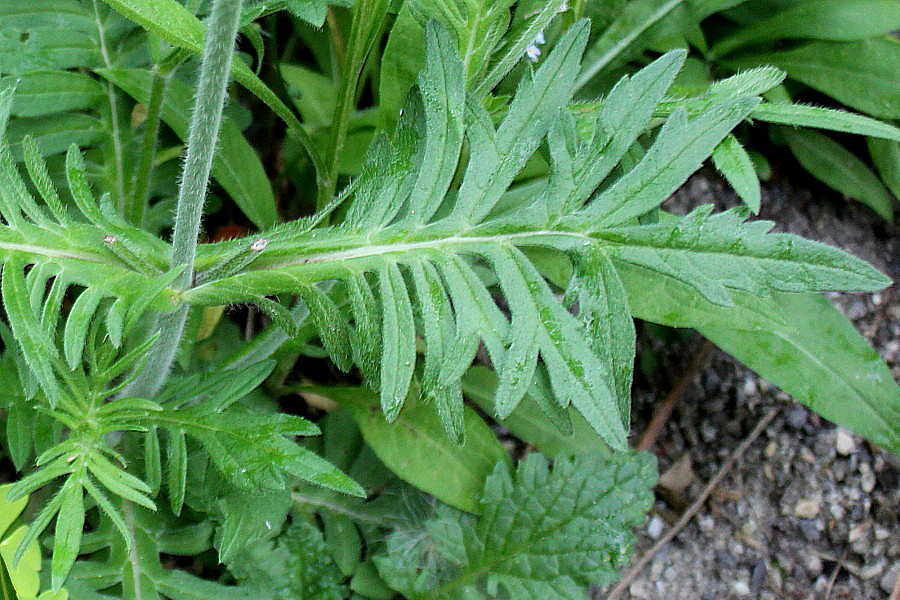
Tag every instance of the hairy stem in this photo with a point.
(137, 206)
(202, 138)
(204, 131)
(368, 18)
(115, 126)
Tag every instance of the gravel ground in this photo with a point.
(811, 510)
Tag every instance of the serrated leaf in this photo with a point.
(679, 150)
(717, 252)
(542, 533)
(295, 565)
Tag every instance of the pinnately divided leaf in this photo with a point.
(433, 245)
(413, 232)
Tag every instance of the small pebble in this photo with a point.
(844, 443)
(797, 417)
(741, 588)
(813, 565)
(888, 580)
(868, 477)
(807, 509)
(655, 527)
(874, 570)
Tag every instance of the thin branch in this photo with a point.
(695, 507)
(663, 412)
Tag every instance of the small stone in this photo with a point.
(807, 455)
(813, 565)
(670, 574)
(874, 570)
(844, 443)
(807, 509)
(797, 417)
(888, 580)
(741, 588)
(655, 527)
(882, 533)
(771, 449)
(858, 533)
(867, 479)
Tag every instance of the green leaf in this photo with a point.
(174, 23)
(635, 19)
(38, 349)
(886, 156)
(824, 118)
(69, 524)
(249, 518)
(736, 165)
(604, 311)
(41, 93)
(839, 168)
(679, 150)
(543, 533)
(250, 448)
(529, 422)
(817, 19)
(718, 252)
(25, 578)
(237, 167)
(399, 355)
(416, 448)
(821, 360)
(862, 74)
(295, 565)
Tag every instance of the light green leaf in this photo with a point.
(824, 118)
(839, 168)
(416, 448)
(736, 165)
(25, 578)
(718, 252)
(679, 150)
(821, 360)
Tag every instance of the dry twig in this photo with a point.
(663, 412)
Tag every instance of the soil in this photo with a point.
(811, 510)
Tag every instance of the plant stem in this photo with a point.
(119, 163)
(209, 102)
(137, 206)
(368, 19)
(204, 131)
